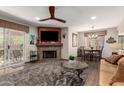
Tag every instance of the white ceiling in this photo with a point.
(77, 17)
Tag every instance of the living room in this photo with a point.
(31, 44)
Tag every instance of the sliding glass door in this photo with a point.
(11, 47)
(1, 46)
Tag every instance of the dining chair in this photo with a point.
(81, 52)
(97, 54)
(88, 55)
(17, 55)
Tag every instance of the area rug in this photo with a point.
(42, 74)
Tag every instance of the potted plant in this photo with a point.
(71, 59)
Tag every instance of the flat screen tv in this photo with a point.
(49, 36)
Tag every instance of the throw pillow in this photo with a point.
(113, 59)
(119, 75)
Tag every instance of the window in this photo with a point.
(121, 41)
(94, 42)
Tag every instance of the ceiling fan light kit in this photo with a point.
(52, 15)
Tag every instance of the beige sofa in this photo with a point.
(107, 71)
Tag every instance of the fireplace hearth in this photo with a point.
(49, 54)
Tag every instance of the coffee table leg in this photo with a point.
(79, 72)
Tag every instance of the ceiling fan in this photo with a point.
(52, 15)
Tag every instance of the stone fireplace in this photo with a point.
(49, 52)
(49, 43)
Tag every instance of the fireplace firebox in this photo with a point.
(49, 54)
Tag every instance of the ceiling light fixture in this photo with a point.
(37, 18)
(93, 17)
(92, 36)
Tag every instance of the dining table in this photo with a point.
(91, 53)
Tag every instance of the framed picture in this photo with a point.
(31, 38)
(74, 40)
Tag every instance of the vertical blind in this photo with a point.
(121, 41)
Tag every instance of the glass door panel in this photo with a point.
(16, 46)
(1, 46)
(6, 47)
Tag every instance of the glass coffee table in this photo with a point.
(76, 66)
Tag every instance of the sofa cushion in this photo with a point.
(118, 84)
(119, 76)
(113, 59)
(121, 60)
(107, 71)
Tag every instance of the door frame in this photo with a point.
(7, 32)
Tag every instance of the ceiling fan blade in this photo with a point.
(60, 20)
(45, 19)
(52, 11)
(52, 16)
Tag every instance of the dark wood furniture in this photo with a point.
(91, 54)
(41, 43)
(80, 53)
